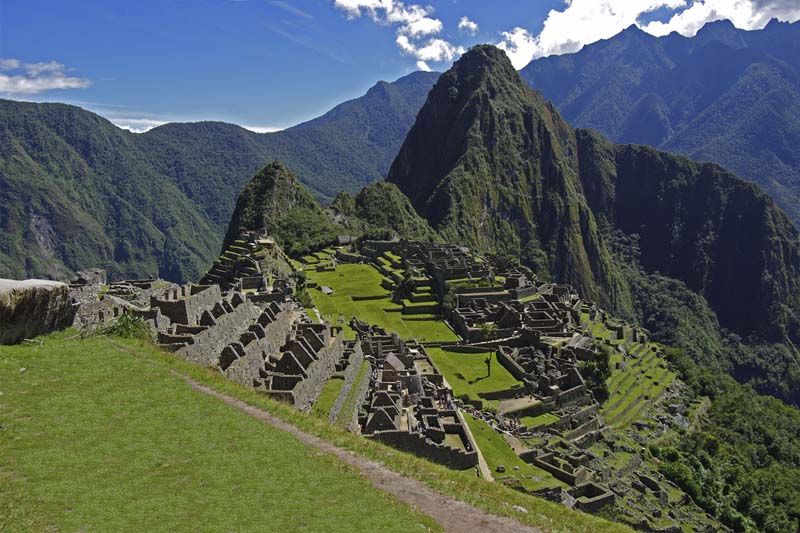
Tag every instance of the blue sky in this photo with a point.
(273, 63)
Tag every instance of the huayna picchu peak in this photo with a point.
(489, 162)
(460, 302)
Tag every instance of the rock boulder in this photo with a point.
(33, 307)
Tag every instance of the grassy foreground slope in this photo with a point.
(94, 438)
(94, 435)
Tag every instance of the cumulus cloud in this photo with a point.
(583, 22)
(416, 28)
(18, 77)
(468, 26)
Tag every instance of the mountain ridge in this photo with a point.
(725, 95)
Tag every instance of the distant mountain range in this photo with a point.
(726, 95)
(77, 191)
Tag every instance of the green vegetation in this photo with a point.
(484, 190)
(382, 207)
(352, 282)
(95, 195)
(540, 420)
(275, 202)
(129, 445)
(468, 376)
(78, 193)
(128, 327)
(497, 452)
(322, 407)
(349, 405)
(678, 317)
(743, 461)
(27, 511)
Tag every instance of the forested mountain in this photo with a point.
(491, 164)
(727, 96)
(76, 191)
(79, 192)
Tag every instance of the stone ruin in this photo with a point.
(556, 312)
(407, 404)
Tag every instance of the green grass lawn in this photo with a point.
(540, 420)
(322, 407)
(365, 281)
(96, 439)
(496, 451)
(466, 373)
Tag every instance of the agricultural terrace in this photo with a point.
(357, 292)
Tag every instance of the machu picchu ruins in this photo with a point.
(495, 354)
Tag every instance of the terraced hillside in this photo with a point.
(363, 291)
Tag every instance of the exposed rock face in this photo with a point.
(32, 307)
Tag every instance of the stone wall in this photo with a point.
(350, 373)
(420, 446)
(186, 304)
(222, 327)
(33, 307)
(306, 392)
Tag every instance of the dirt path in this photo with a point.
(451, 514)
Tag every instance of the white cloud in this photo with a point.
(136, 125)
(745, 14)
(262, 129)
(423, 66)
(433, 50)
(583, 22)
(469, 27)
(415, 28)
(17, 77)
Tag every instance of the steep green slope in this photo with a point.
(381, 209)
(726, 95)
(698, 223)
(489, 163)
(76, 192)
(79, 192)
(276, 203)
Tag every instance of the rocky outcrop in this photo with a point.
(32, 307)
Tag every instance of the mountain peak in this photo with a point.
(490, 164)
